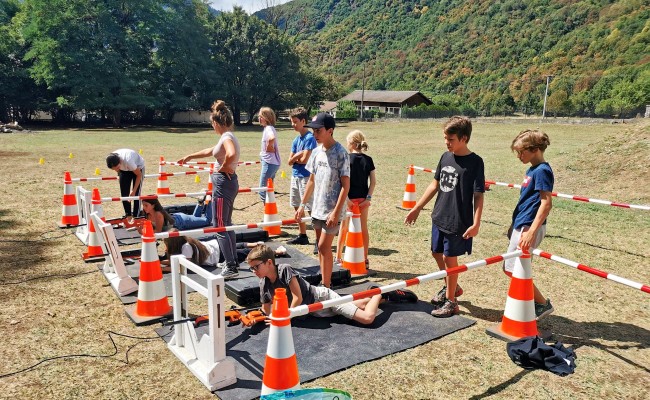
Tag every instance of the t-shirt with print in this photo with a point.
(301, 143)
(538, 178)
(459, 177)
(328, 166)
(360, 167)
(285, 274)
(213, 248)
(129, 160)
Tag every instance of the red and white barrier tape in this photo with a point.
(423, 169)
(593, 271)
(308, 308)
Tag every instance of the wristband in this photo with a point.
(303, 205)
(368, 197)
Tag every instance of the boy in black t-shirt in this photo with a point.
(459, 182)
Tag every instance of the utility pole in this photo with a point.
(363, 89)
(548, 80)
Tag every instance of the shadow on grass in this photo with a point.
(373, 251)
(18, 249)
(577, 334)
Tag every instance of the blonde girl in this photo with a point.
(270, 151)
(362, 186)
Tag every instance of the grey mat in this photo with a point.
(327, 345)
(294, 257)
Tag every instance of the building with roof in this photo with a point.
(389, 102)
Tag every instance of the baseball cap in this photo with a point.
(322, 120)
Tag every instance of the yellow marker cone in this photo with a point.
(197, 179)
(70, 156)
(140, 151)
(41, 161)
(283, 175)
(97, 171)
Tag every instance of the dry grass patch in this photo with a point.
(63, 306)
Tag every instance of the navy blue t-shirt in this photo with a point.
(538, 178)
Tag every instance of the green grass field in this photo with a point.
(54, 304)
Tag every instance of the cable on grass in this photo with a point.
(42, 239)
(64, 276)
(84, 355)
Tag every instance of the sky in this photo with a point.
(249, 6)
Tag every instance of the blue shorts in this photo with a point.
(448, 244)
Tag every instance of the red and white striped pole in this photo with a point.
(173, 195)
(593, 271)
(578, 198)
(309, 308)
(203, 231)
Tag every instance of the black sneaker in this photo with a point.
(300, 239)
(402, 296)
(542, 310)
(230, 272)
(315, 248)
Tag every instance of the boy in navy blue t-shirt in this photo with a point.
(534, 205)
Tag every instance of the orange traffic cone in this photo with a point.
(354, 259)
(152, 302)
(163, 186)
(409, 200)
(95, 246)
(519, 316)
(281, 365)
(271, 209)
(70, 213)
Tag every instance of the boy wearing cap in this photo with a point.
(329, 182)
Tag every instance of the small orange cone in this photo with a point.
(409, 200)
(163, 186)
(281, 365)
(95, 247)
(353, 259)
(519, 318)
(152, 302)
(70, 214)
(271, 210)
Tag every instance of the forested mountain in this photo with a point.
(493, 55)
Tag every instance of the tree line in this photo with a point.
(143, 60)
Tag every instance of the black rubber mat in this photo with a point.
(327, 345)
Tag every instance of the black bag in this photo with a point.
(532, 353)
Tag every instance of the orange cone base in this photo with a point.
(70, 220)
(163, 191)
(273, 230)
(497, 332)
(63, 225)
(140, 320)
(93, 255)
(356, 269)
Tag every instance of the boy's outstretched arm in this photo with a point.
(478, 212)
(528, 237)
(431, 191)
